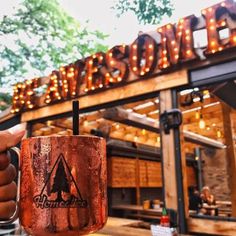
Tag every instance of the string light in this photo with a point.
(218, 134)
(223, 23)
(202, 123)
(197, 115)
(135, 138)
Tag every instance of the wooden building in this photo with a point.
(166, 107)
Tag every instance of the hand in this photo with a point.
(210, 199)
(8, 189)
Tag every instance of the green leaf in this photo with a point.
(146, 11)
(42, 34)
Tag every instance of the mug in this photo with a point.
(146, 204)
(63, 185)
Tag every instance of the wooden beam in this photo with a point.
(140, 87)
(6, 115)
(188, 113)
(168, 156)
(197, 138)
(231, 153)
(131, 118)
(206, 101)
(214, 227)
(147, 109)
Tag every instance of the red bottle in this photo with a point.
(165, 220)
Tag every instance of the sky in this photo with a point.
(126, 28)
(101, 17)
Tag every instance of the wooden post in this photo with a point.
(168, 156)
(174, 164)
(184, 172)
(231, 154)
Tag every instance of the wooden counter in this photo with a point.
(113, 227)
(121, 227)
(118, 227)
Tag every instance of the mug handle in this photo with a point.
(16, 213)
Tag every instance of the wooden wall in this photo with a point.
(122, 173)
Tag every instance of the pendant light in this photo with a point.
(202, 123)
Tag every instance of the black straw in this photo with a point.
(75, 115)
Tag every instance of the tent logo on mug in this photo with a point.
(62, 191)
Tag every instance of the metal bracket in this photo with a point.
(170, 119)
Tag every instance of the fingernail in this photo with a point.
(17, 129)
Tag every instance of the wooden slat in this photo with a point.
(144, 216)
(137, 181)
(214, 227)
(143, 173)
(154, 174)
(150, 174)
(119, 169)
(121, 172)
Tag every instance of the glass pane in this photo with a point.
(209, 141)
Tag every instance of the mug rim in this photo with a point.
(63, 136)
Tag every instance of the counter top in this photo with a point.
(120, 226)
(113, 227)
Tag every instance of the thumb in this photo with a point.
(17, 130)
(11, 137)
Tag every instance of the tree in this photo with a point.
(42, 35)
(147, 11)
(5, 100)
(60, 182)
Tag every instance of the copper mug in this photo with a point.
(63, 185)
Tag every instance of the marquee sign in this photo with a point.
(171, 45)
